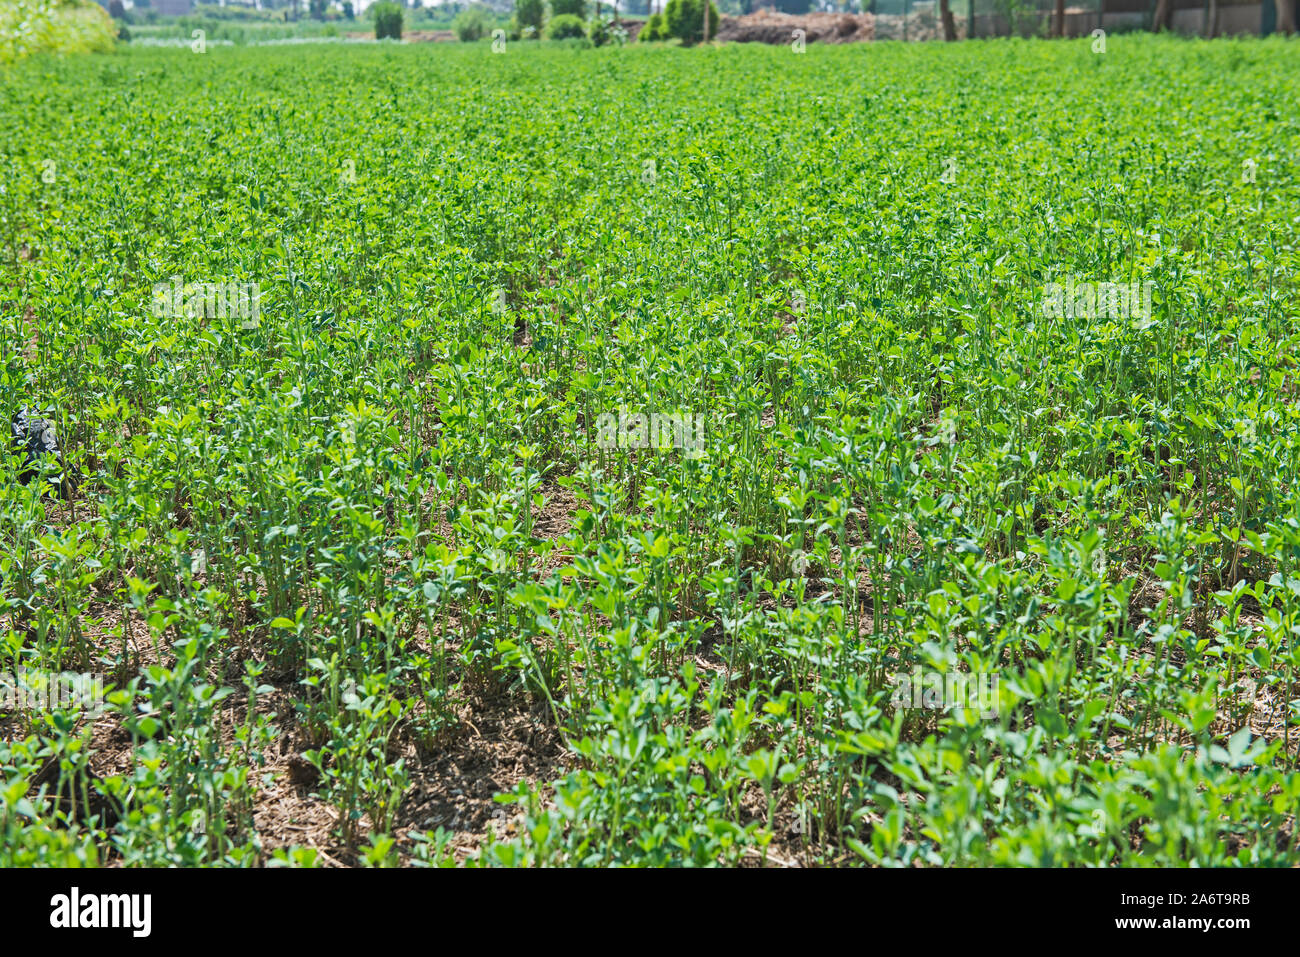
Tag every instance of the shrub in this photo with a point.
(472, 23)
(530, 13)
(684, 19)
(388, 21)
(606, 30)
(576, 8)
(564, 26)
(653, 29)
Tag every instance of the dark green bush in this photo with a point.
(576, 8)
(684, 19)
(530, 13)
(472, 23)
(598, 32)
(603, 30)
(388, 21)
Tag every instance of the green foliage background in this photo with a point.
(385, 499)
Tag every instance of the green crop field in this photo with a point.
(881, 455)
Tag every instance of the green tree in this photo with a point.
(388, 20)
(530, 13)
(472, 23)
(684, 19)
(576, 8)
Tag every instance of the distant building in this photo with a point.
(173, 8)
(1189, 17)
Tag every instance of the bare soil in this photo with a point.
(779, 28)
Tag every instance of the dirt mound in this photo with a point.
(633, 28)
(779, 28)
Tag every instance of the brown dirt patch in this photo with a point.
(766, 26)
(502, 739)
